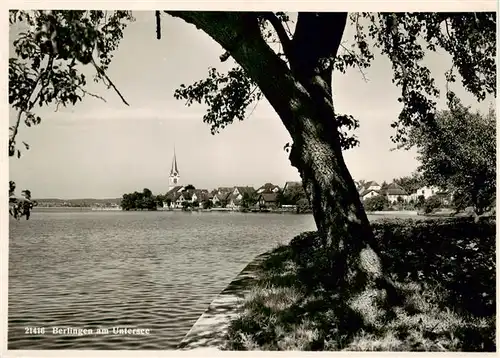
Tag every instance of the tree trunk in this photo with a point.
(337, 208)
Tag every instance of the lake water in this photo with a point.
(140, 270)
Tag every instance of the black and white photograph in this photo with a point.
(250, 179)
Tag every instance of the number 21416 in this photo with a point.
(34, 330)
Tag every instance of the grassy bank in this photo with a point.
(446, 268)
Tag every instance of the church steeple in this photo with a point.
(174, 177)
(174, 165)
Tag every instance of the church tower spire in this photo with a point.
(174, 165)
(174, 173)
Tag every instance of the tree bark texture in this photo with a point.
(302, 97)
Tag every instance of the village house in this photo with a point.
(237, 194)
(428, 191)
(391, 191)
(425, 191)
(178, 194)
(369, 190)
(395, 193)
(220, 198)
(224, 189)
(224, 199)
(240, 190)
(371, 185)
(200, 196)
(173, 196)
(268, 200)
(368, 193)
(268, 188)
(186, 195)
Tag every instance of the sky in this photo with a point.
(105, 149)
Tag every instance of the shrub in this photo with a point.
(420, 201)
(207, 204)
(456, 252)
(376, 203)
(303, 206)
(431, 203)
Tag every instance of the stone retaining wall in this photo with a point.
(209, 331)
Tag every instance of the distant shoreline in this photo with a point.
(394, 212)
(409, 213)
(224, 210)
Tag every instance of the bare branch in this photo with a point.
(93, 95)
(253, 109)
(110, 83)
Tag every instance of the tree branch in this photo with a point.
(110, 83)
(239, 34)
(357, 64)
(93, 95)
(285, 40)
(294, 95)
(253, 109)
(48, 68)
(315, 45)
(26, 107)
(317, 37)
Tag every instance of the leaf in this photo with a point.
(26, 145)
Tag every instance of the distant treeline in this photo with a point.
(78, 203)
(144, 200)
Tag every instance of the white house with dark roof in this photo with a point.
(369, 190)
(220, 196)
(369, 193)
(425, 191)
(428, 191)
(172, 196)
(395, 193)
(372, 185)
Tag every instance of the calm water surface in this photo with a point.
(151, 270)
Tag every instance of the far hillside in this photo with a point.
(86, 202)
